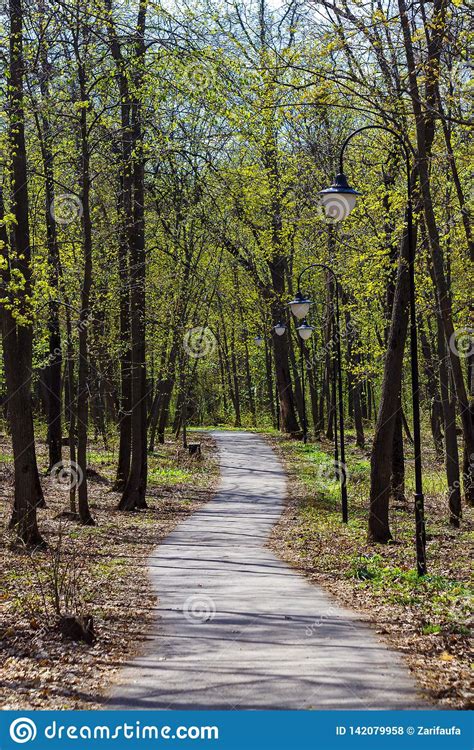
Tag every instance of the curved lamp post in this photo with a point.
(338, 201)
(299, 306)
(305, 332)
(280, 330)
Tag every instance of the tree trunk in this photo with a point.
(84, 320)
(126, 240)
(154, 414)
(178, 409)
(165, 394)
(451, 454)
(71, 410)
(436, 411)
(269, 382)
(425, 124)
(17, 339)
(235, 379)
(248, 376)
(223, 380)
(125, 413)
(288, 421)
(135, 489)
(313, 393)
(358, 422)
(353, 382)
(398, 458)
(53, 370)
(164, 408)
(382, 448)
(248, 379)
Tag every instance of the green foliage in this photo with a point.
(439, 596)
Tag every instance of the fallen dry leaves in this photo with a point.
(40, 669)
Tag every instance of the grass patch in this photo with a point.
(427, 618)
(168, 475)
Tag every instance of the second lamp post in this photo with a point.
(300, 308)
(338, 201)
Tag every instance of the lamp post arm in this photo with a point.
(395, 134)
(318, 265)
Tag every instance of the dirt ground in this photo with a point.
(98, 570)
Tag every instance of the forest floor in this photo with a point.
(101, 570)
(237, 627)
(426, 619)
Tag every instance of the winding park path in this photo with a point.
(238, 628)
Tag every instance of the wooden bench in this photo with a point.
(194, 449)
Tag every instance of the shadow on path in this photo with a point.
(237, 628)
